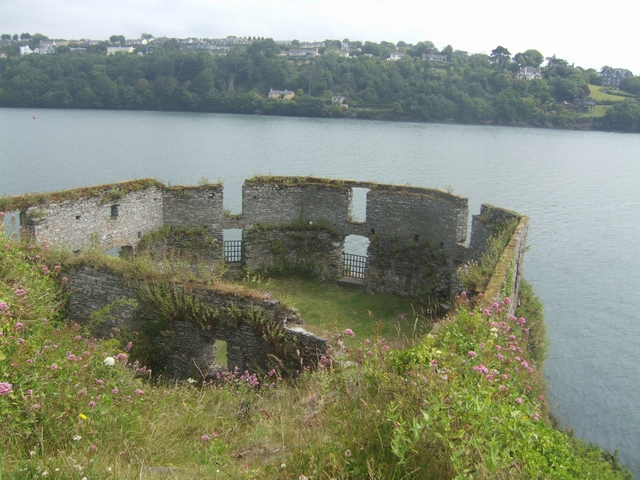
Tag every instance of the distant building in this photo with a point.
(78, 50)
(435, 57)
(528, 73)
(25, 50)
(281, 94)
(303, 52)
(311, 44)
(395, 56)
(114, 50)
(613, 76)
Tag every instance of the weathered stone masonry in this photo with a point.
(190, 347)
(417, 244)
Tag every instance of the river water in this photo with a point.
(580, 190)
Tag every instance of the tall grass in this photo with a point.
(453, 406)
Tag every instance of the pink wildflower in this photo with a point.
(92, 404)
(348, 333)
(205, 438)
(507, 300)
(518, 400)
(472, 353)
(137, 391)
(18, 326)
(115, 391)
(541, 397)
(5, 388)
(93, 448)
(65, 279)
(54, 366)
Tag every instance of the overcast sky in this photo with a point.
(588, 34)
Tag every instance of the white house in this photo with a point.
(114, 50)
(528, 73)
(435, 57)
(25, 50)
(395, 56)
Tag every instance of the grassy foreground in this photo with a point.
(467, 401)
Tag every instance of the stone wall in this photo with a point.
(306, 249)
(189, 347)
(508, 274)
(106, 221)
(194, 206)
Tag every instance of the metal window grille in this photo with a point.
(355, 265)
(233, 251)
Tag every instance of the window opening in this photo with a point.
(358, 210)
(355, 256)
(232, 244)
(221, 353)
(114, 211)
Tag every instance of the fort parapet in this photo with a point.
(416, 237)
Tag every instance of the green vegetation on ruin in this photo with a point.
(446, 407)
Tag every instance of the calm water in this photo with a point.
(580, 190)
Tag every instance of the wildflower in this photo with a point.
(137, 391)
(37, 406)
(5, 388)
(65, 279)
(4, 308)
(128, 347)
(109, 361)
(518, 400)
(93, 448)
(472, 353)
(115, 391)
(99, 381)
(18, 326)
(536, 417)
(347, 453)
(77, 438)
(507, 300)
(283, 466)
(45, 270)
(92, 404)
(121, 357)
(57, 268)
(503, 388)
(348, 333)
(29, 392)
(82, 416)
(541, 397)
(54, 366)
(205, 438)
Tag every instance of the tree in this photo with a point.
(500, 56)
(624, 115)
(146, 36)
(25, 36)
(630, 84)
(6, 36)
(15, 37)
(529, 58)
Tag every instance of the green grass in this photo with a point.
(429, 412)
(598, 111)
(329, 307)
(598, 95)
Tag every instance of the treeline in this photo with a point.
(469, 88)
